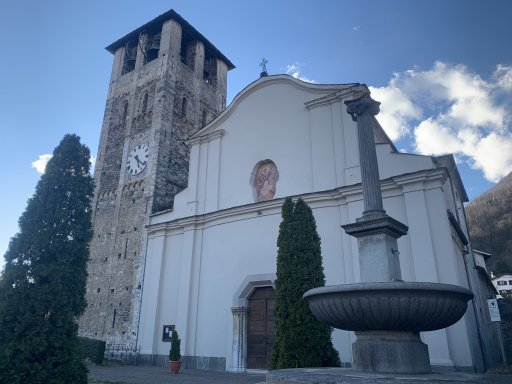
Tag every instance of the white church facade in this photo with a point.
(210, 261)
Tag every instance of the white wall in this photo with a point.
(199, 254)
(241, 242)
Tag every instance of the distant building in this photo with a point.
(480, 283)
(503, 284)
(481, 259)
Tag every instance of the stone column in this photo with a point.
(376, 232)
(239, 349)
(362, 111)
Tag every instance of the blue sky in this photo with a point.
(442, 70)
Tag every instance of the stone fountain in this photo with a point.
(386, 313)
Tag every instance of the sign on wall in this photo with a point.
(167, 332)
(494, 310)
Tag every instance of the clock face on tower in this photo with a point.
(138, 159)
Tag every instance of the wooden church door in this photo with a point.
(261, 331)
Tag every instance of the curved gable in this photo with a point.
(319, 92)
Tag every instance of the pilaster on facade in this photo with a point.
(199, 57)
(117, 67)
(151, 295)
(239, 348)
(171, 39)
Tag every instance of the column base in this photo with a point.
(391, 352)
(378, 249)
(237, 370)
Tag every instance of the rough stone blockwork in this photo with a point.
(160, 93)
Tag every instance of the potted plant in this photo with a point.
(174, 353)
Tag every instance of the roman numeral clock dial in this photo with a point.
(138, 159)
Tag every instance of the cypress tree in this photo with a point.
(42, 288)
(301, 340)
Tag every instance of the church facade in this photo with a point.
(188, 203)
(211, 261)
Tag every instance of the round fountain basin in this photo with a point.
(392, 306)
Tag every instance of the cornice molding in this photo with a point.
(352, 92)
(207, 137)
(334, 197)
(265, 82)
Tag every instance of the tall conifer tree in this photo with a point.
(301, 340)
(42, 287)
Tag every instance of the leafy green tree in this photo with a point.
(42, 287)
(301, 340)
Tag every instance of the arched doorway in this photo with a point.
(261, 332)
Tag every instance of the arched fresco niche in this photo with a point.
(264, 177)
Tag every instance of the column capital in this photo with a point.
(239, 310)
(361, 105)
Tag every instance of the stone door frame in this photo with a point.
(240, 310)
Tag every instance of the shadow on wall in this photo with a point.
(506, 324)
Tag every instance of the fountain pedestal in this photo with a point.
(377, 243)
(385, 313)
(390, 352)
(387, 318)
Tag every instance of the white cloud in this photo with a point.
(395, 111)
(503, 77)
(449, 109)
(294, 70)
(92, 161)
(494, 155)
(40, 164)
(434, 138)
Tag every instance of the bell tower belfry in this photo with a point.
(167, 82)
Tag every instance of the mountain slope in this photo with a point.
(490, 225)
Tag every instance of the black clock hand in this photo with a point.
(141, 163)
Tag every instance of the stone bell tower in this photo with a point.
(167, 82)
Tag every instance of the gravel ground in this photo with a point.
(161, 375)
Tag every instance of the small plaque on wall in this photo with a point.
(167, 332)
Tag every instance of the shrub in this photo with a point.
(301, 340)
(92, 349)
(174, 352)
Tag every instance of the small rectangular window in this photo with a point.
(184, 107)
(205, 118)
(114, 318)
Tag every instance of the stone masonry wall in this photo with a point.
(145, 106)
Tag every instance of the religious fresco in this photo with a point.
(265, 181)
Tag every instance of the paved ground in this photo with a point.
(161, 375)
(348, 376)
